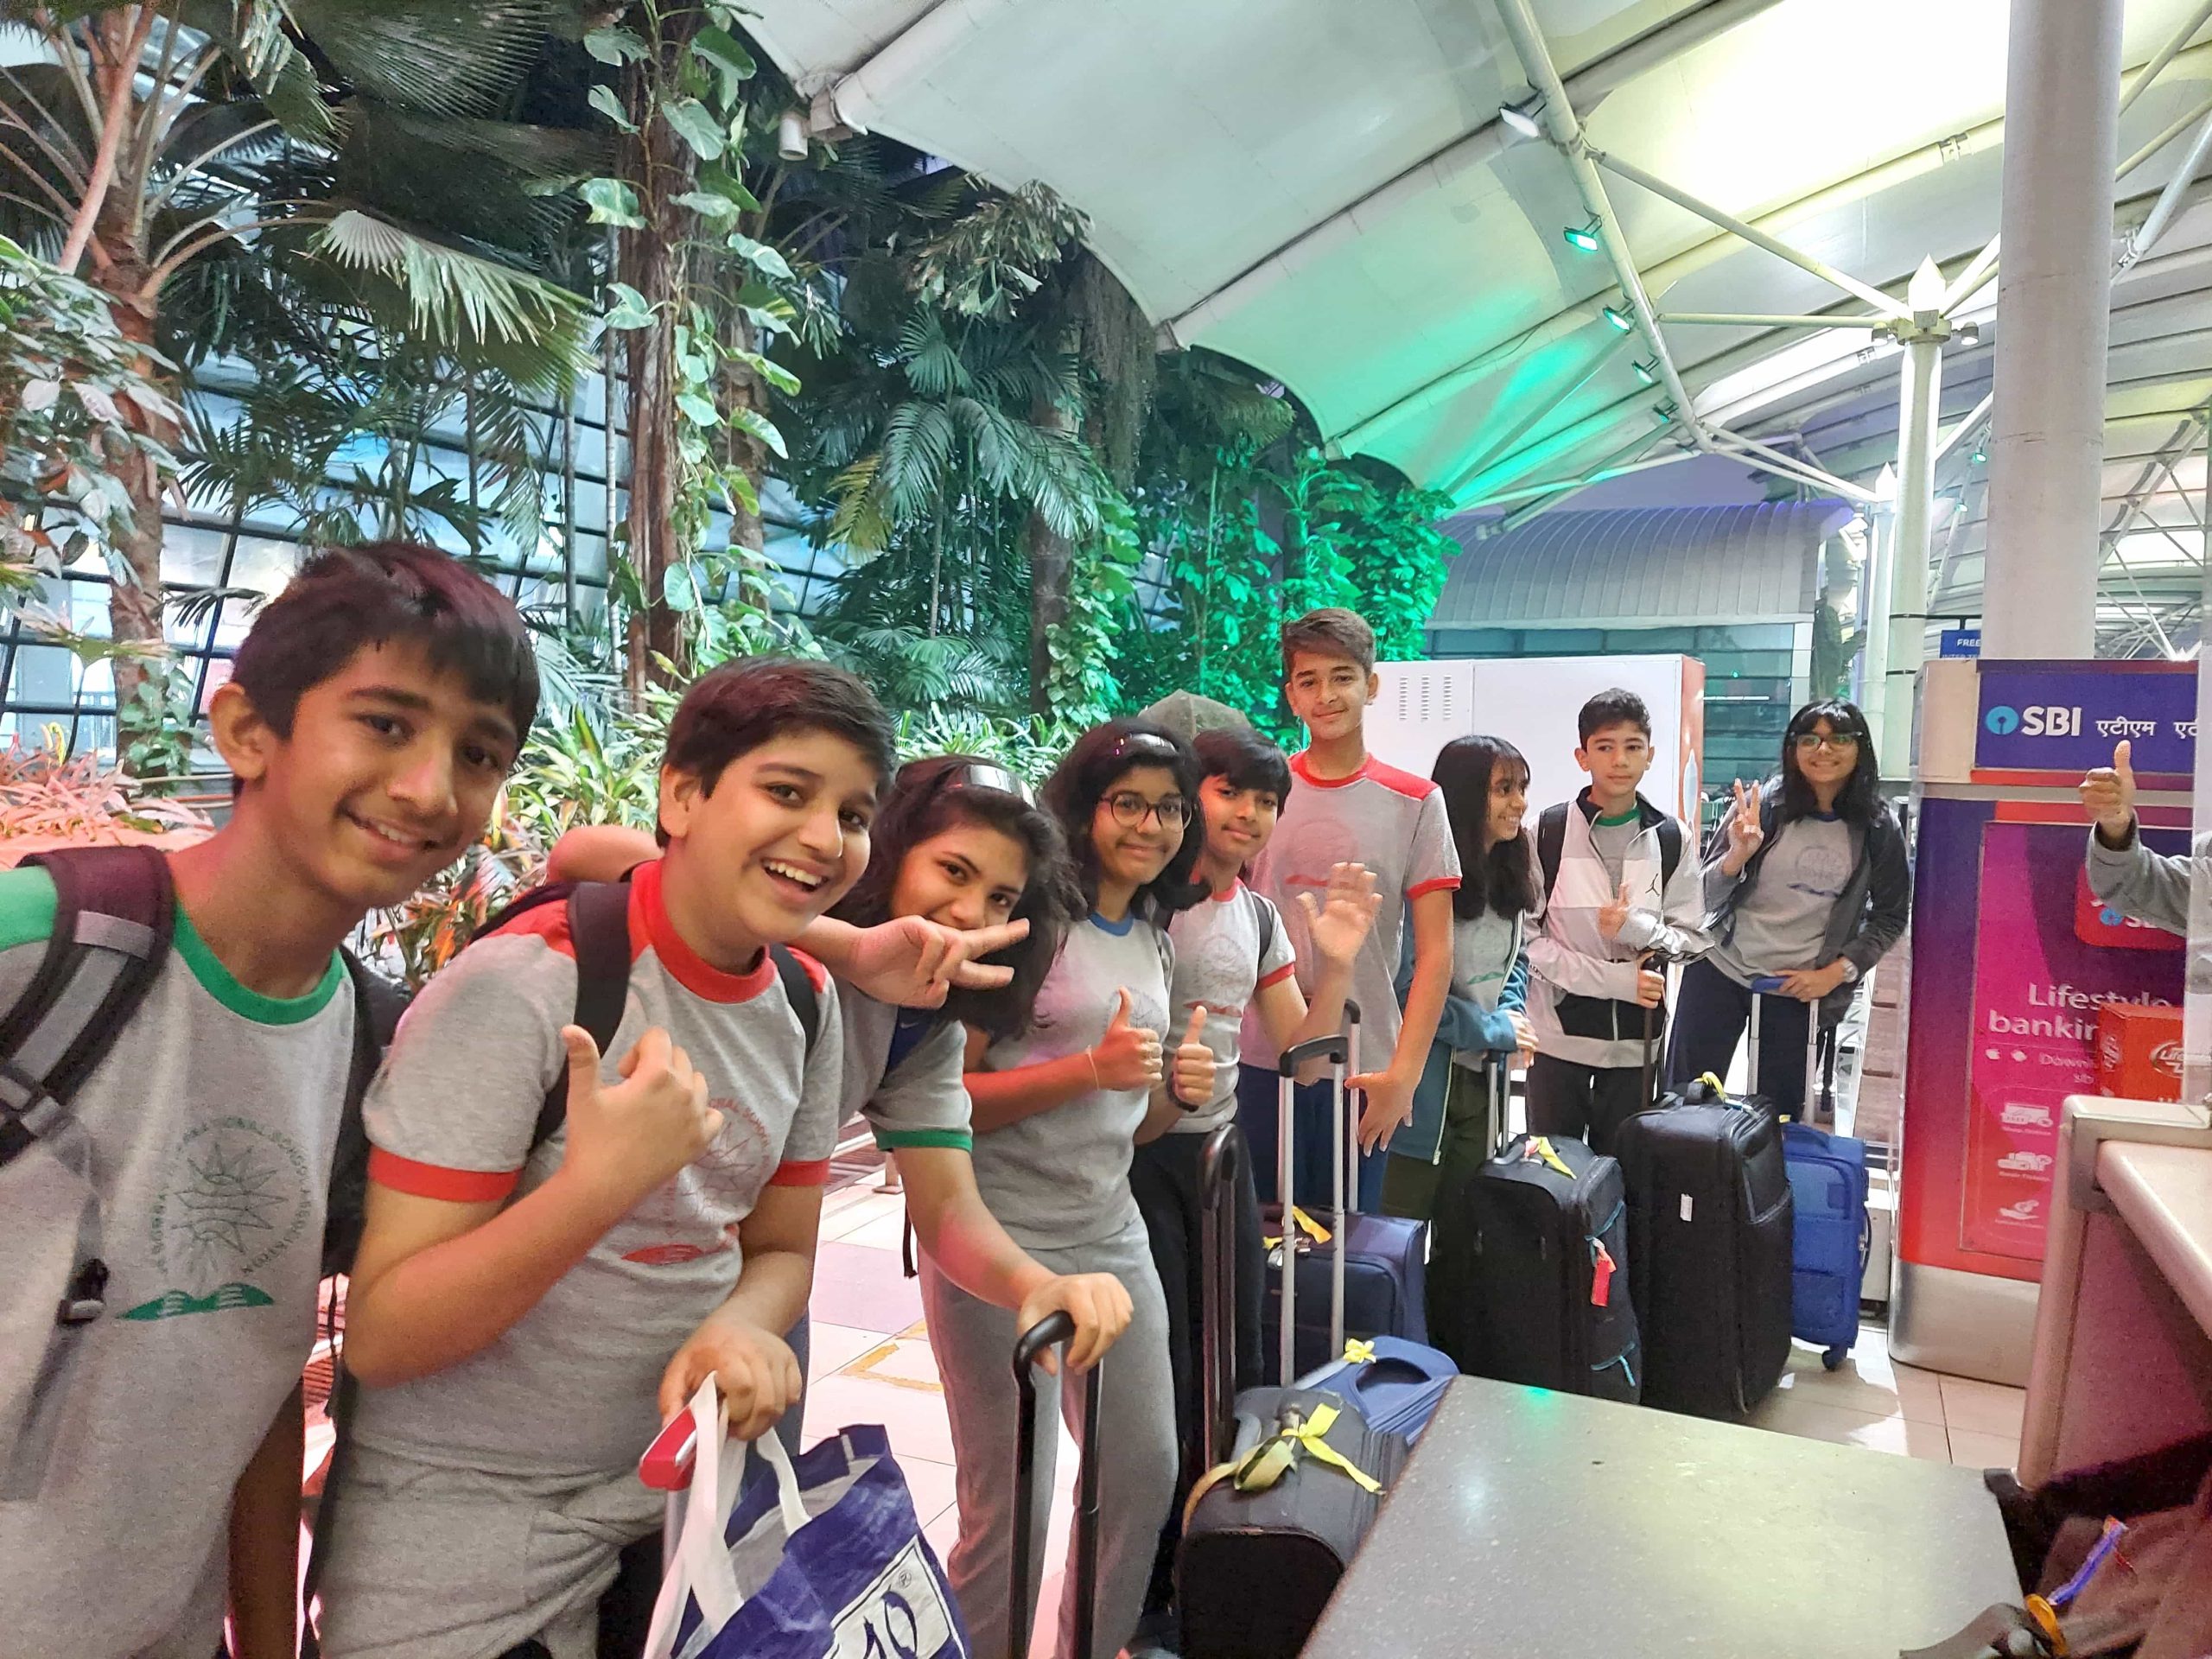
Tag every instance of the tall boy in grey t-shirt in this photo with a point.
(1348, 807)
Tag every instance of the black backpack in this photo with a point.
(1551, 845)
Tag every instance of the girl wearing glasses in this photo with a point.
(1056, 1109)
(1806, 879)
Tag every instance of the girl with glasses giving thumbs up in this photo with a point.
(1056, 1112)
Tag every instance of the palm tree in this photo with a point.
(148, 139)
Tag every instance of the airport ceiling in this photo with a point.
(1328, 192)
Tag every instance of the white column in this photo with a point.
(1874, 615)
(2054, 297)
(1919, 392)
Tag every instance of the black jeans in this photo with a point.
(1589, 1102)
(1164, 1176)
(1711, 1020)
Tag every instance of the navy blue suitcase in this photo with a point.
(1370, 1279)
(1832, 1233)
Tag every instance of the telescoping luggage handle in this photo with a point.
(1221, 1160)
(1761, 988)
(1054, 1330)
(1337, 1052)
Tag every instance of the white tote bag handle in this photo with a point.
(700, 1567)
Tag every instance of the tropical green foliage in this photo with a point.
(75, 403)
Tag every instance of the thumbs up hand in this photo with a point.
(628, 1138)
(2108, 793)
(1128, 1057)
(1194, 1063)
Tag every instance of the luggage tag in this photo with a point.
(1538, 1150)
(1601, 1275)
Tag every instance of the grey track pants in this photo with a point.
(974, 1344)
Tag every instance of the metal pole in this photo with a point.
(2140, 240)
(1750, 233)
(1920, 392)
(2164, 55)
(1874, 619)
(1757, 319)
(2046, 449)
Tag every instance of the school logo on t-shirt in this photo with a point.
(1219, 974)
(724, 1181)
(235, 1197)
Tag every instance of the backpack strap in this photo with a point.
(114, 912)
(599, 931)
(1551, 843)
(1267, 913)
(798, 991)
(1671, 852)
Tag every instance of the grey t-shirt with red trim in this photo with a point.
(1060, 1178)
(212, 1119)
(1227, 947)
(1393, 823)
(919, 1102)
(570, 1388)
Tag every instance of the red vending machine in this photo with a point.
(2013, 962)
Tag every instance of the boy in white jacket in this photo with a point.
(1620, 899)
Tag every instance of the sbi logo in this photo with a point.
(2045, 720)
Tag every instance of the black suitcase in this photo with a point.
(1530, 1276)
(1710, 1218)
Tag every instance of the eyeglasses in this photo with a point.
(1838, 742)
(1130, 808)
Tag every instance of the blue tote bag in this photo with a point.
(826, 1560)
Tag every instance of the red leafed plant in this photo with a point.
(45, 792)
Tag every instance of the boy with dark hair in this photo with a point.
(1232, 954)
(169, 1198)
(528, 1307)
(1351, 808)
(1617, 893)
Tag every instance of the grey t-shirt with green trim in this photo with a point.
(1060, 1178)
(212, 1119)
(921, 1100)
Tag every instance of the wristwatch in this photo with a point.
(1850, 971)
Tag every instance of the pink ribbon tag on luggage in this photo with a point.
(1601, 1275)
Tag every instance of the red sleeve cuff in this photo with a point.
(813, 1172)
(1442, 884)
(1279, 975)
(435, 1181)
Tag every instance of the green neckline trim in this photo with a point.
(899, 1139)
(223, 985)
(1618, 819)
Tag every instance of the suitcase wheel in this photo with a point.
(1833, 1358)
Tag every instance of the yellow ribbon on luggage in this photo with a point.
(1270, 1459)
(1358, 1353)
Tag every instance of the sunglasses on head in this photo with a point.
(981, 774)
(1145, 745)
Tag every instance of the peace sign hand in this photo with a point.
(1744, 835)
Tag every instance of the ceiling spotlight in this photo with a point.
(1667, 411)
(1646, 373)
(1584, 237)
(1620, 319)
(1979, 456)
(1522, 117)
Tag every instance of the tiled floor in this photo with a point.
(872, 1365)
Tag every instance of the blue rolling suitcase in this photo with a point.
(1828, 1185)
(1369, 1279)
